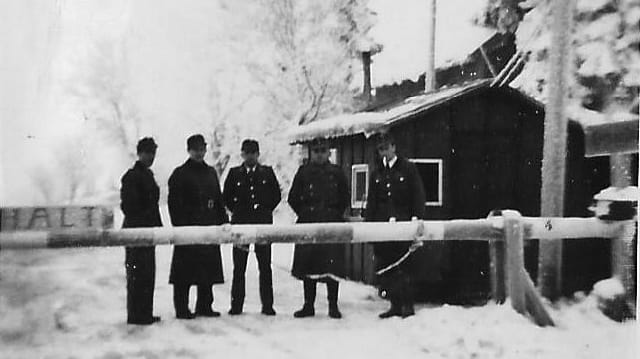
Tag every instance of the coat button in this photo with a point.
(388, 194)
(238, 184)
(235, 199)
(253, 196)
(251, 188)
(388, 185)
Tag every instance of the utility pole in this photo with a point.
(430, 72)
(555, 146)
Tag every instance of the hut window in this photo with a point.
(359, 185)
(430, 170)
(333, 155)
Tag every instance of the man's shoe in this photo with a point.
(146, 321)
(185, 315)
(235, 311)
(207, 313)
(334, 312)
(268, 311)
(306, 311)
(392, 312)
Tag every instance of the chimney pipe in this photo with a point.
(366, 68)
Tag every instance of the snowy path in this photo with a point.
(71, 304)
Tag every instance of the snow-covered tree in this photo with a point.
(304, 58)
(504, 15)
(103, 91)
(606, 53)
(301, 57)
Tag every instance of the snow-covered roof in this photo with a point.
(371, 122)
(401, 28)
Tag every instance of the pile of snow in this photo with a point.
(629, 193)
(608, 289)
(70, 303)
(401, 28)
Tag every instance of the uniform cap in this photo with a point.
(250, 146)
(195, 141)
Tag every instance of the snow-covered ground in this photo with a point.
(71, 304)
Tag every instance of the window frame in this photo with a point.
(439, 162)
(358, 168)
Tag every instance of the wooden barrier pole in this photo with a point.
(460, 229)
(514, 236)
(480, 229)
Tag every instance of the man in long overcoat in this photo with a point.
(395, 192)
(251, 193)
(195, 199)
(319, 193)
(139, 196)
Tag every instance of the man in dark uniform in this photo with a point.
(195, 199)
(319, 193)
(251, 193)
(395, 193)
(139, 196)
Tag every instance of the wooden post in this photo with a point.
(623, 266)
(622, 256)
(534, 302)
(498, 277)
(514, 238)
(430, 72)
(555, 146)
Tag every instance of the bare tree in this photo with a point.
(104, 92)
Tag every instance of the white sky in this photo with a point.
(46, 46)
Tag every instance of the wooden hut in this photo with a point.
(478, 148)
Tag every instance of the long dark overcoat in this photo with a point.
(394, 192)
(319, 193)
(195, 199)
(251, 196)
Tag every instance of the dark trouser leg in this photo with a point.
(238, 284)
(140, 270)
(205, 298)
(309, 286)
(332, 292)
(181, 299)
(263, 255)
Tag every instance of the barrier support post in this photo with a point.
(514, 238)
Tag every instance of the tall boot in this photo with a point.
(392, 287)
(407, 297)
(332, 298)
(181, 301)
(308, 309)
(204, 301)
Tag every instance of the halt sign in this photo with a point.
(46, 218)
